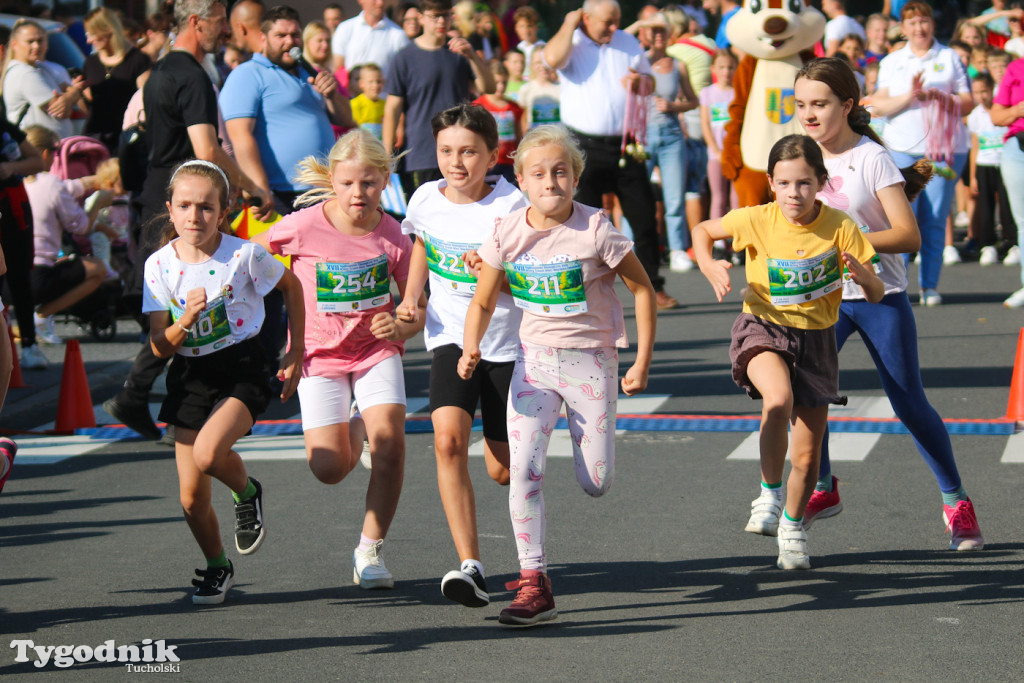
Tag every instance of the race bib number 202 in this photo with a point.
(797, 281)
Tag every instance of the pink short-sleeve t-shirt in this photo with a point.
(1011, 91)
(346, 280)
(585, 249)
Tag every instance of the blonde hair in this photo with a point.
(550, 134)
(108, 173)
(312, 28)
(42, 138)
(357, 145)
(105, 20)
(19, 25)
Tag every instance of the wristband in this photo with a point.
(183, 328)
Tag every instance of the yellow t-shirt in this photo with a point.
(795, 272)
(365, 110)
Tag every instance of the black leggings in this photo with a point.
(992, 195)
(16, 240)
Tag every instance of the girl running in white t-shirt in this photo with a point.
(560, 259)
(204, 294)
(345, 252)
(866, 183)
(450, 219)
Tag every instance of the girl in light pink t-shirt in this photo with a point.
(560, 259)
(346, 252)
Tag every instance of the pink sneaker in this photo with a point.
(823, 504)
(962, 524)
(533, 603)
(8, 449)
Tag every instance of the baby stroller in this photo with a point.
(76, 157)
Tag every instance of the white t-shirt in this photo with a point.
(908, 131)
(359, 43)
(842, 26)
(236, 278)
(541, 102)
(448, 230)
(527, 50)
(593, 98)
(854, 181)
(990, 137)
(27, 88)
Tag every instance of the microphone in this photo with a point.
(296, 54)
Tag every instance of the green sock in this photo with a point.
(217, 562)
(771, 486)
(954, 497)
(824, 484)
(792, 522)
(249, 492)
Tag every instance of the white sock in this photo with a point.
(776, 492)
(473, 563)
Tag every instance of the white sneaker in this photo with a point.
(364, 458)
(32, 358)
(1015, 300)
(44, 330)
(917, 258)
(793, 548)
(764, 514)
(950, 255)
(368, 568)
(989, 256)
(679, 261)
(930, 297)
(1012, 257)
(962, 220)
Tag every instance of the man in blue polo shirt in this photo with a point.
(278, 114)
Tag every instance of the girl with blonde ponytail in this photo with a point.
(866, 184)
(346, 252)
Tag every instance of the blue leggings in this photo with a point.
(890, 334)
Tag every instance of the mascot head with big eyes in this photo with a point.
(777, 38)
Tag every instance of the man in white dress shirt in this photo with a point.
(367, 38)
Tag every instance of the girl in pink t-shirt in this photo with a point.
(714, 114)
(345, 252)
(560, 259)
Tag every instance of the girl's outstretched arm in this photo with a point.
(291, 364)
(408, 309)
(481, 308)
(717, 272)
(864, 275)
(386, 326)
(635, 277)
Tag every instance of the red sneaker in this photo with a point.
(823, 504)
(533, 603)
(962, 523)
(8, 449)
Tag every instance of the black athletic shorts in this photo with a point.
(488, 386)
(51, 282)
(196, 384)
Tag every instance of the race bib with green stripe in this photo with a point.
(797, 281)
(550, 289)
(447, 269)
(346, 287)
(210, 329)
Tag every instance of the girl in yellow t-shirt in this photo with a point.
(783, 349)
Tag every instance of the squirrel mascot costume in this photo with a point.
(777, 37)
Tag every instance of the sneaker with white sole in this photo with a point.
(989, 256)
(465, 586)
(962, 220)
(368, 568)
(534, 601)
(32, 358)
(8, 449)
(213, 584)
(44, 330)
(962, 524)
(950, 255)
(249, 529)
(679, 261)
(823, 504)
(365, 459)
(793, 548)
(1012, 257)
(765, 511)
(1015, 300)
(930, 297)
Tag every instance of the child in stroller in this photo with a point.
(64, 280)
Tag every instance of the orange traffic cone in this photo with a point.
(1015, 406)
(17, 381)
(74, 409)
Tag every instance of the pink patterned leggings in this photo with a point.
(586, 380)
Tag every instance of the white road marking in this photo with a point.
(1014, 451)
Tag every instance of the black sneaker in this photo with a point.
(465, 586)
(213, 583)
(134, 415)
(168, 438)
(249, 531)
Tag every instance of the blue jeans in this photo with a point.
(666, 148)
(1012, 168)
(931, 208)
